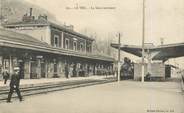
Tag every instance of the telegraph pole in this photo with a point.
(119, 44)
(143, 36)
(1, 15)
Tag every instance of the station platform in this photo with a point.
(30, 87)
(24, 82)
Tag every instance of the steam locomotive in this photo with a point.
(127, 69)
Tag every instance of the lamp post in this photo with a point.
(143, 36)
(119, 44)
(39, 57)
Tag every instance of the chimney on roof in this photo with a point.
(28, 17)
(42, 17)
(70, 27)
(162, 41)
(31, 11)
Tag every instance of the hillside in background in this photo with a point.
(13, 10)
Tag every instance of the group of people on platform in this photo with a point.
(73, 71)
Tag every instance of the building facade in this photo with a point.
(43, 49)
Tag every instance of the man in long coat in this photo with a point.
(14, 84)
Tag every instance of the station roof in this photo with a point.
(43, 22)
(163, 52)
(23, 41)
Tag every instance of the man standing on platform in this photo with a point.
(14, 84)
(66, 71)
(5, 75)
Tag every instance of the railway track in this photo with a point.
(34, 89)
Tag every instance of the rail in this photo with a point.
(51, 87)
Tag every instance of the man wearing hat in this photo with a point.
(14, 84)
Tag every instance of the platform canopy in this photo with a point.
(161, 52)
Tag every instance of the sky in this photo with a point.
(163, 18)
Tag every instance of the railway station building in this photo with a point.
(43, 49)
